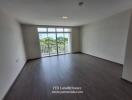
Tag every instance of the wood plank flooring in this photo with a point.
(100, 79)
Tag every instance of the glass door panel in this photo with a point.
(60, 43)
(52, 44)
(67, 43)
(44, 45)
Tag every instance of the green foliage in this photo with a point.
(51, 43)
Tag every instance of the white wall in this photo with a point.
(106, 38)
(127, 69)
(12, 54)
(31, 41)
(75, 37)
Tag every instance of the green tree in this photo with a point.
(50, 43)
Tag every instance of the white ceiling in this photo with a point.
(49, 12)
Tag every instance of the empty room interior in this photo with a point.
(65, 49)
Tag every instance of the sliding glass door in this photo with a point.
(52, 44)
(60, 43)
(44, 44)
(67, 43)
(54, 41)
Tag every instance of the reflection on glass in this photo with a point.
(44, 44)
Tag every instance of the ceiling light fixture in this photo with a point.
(64, 17)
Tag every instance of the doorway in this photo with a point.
(54, 40)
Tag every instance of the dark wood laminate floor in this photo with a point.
(99, 79)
